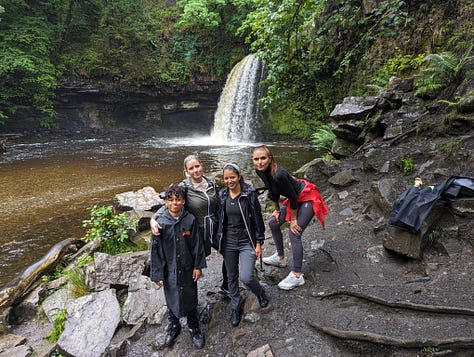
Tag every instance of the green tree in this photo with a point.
(216, 22)
(311, 50)
(28, 77)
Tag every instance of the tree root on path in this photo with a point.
(391, 341)
(403, 305)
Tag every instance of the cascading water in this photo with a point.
(237, 111)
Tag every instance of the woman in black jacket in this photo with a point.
(240, 235)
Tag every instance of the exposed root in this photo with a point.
(391, 341)
(403, 305)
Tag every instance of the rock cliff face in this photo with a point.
(85, 105)
(384, 142)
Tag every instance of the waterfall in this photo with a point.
(237, 111)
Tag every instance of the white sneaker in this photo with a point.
(275, 261)
(291, 281)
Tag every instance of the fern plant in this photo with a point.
(323, 138)
(441, 70)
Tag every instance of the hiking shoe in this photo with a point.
(172, 332)
(197, 337)
(291, 281)
(235, 317)
(275, 261)
(263, 299)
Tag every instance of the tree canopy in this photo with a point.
(315, 51)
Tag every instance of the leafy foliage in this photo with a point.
(441, 70)
(59, 322)
(56, 274)
(401, 65)
(28, 76)
(310, 42)
(406, 164)
(111, 230)
(323, 138)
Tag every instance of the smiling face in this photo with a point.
(194, 170)
(261, 159)
(175, 205)
(231, 179)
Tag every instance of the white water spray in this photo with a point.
(236, 114)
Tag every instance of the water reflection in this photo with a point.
(47, 187)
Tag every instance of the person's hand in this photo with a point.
(155, 227)
(258, 250)
(159, 283)
(294, 227)
(276, 214)
(196, 274)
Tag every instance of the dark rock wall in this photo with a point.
(98, 107)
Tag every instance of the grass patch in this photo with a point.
(59, 322)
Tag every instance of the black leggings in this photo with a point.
(304, 215)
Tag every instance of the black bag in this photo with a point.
(413, 206)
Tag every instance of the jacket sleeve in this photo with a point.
(198, 252)
(287, 185)
(157, 261)
(257, 217)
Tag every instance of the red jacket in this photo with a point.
(310, 193)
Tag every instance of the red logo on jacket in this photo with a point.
(186, 233)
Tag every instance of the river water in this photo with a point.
(47, 187)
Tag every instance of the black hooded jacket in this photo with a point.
(251, 212)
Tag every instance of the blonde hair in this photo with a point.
(186, 160)
(273, 165)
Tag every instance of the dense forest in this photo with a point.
(315, 51)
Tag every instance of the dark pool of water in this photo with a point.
(47, 187)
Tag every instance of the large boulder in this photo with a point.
(144, 199)
(144, 301)
(90, 325)
(116, 270)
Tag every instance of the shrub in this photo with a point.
(406, 165)
(111, 230)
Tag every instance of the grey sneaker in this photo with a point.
(291, 281)
(275, 261)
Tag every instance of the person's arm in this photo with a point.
(157, 261)
(154, 225)
(258, 222)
